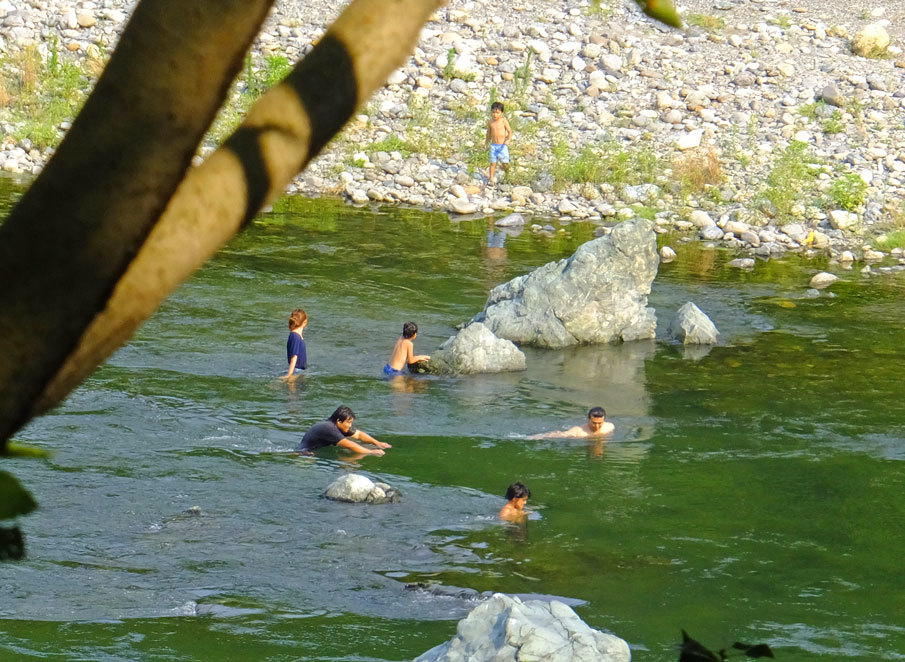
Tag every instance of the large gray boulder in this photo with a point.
(598, 295)
(475, 349)
(355, 488)
(692, 326)
(505, 629)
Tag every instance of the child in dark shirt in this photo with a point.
(296, 352)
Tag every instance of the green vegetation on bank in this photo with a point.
(40, 92)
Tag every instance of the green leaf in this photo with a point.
(14, 499)
(21, 450)
(12, 544)
(661, 10)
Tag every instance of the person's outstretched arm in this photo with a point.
(411, 357)
(361, 435)
(358, 448)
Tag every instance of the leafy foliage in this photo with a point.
(693, 651)
(848, 192)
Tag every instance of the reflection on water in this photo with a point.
(750, 492)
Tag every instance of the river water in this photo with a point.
(752, 492)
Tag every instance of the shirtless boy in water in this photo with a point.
(499, 135)
(597, 425)
(404, 351)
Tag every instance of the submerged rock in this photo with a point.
(598, 295)
(505, 629)
(475, 349)
(692, 326)
(823, 279)
(355, 488)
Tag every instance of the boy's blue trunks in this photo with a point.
(387, 370)
(499, 153)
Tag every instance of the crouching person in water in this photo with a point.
(338, 431)
(596, 425)
(404, 351)
(517, 496)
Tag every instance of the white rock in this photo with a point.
(396, 78)
(458, 191)
(504, 629)
(692, 326)
(461, 206)
(667, 254)
(612, 63)
(701, 218)
(690, 140)
(823, 279)
(512, 220)
(351, 487)
(843, 220)
(871, 40)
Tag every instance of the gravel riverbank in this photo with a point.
(757, 127)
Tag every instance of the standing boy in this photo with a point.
(499, 135)
(404, 351)
(296, 352)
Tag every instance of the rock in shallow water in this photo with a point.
(475, 349)
(355, 488)
(692, 326)
(505, 629)
(598, 295)
(823, 279)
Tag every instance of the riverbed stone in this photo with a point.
(871, 41)
(691, 326)
(355, 488)
(505, 629)
(597, 295)
(475, 349)
(510, 221)
(823, 279)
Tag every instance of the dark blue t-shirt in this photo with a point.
(295, 346)
(325, 433)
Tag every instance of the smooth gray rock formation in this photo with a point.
(356, 488)
(475, 349)
(598, 295)
(505, 629)
(692, 326)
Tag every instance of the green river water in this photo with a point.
(753, 492)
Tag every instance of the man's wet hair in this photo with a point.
(342, 413)
(409, 329)
(517, 491)
(496, 105)
(597, 412)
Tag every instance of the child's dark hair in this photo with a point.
(297, 318)
(409, 329)
(597, 412)
(517, 491)
(342, 413)
(496, 105)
